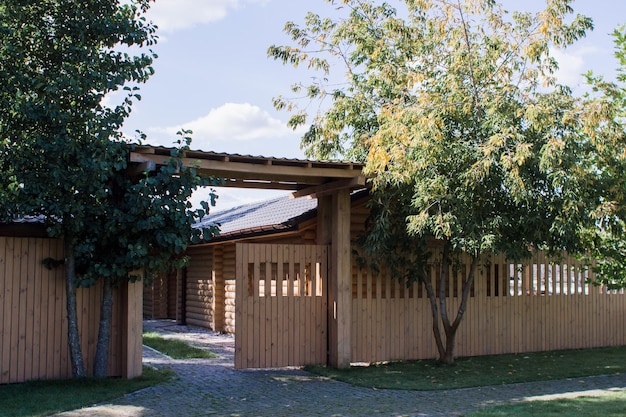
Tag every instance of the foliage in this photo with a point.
(455, 110)
(603, 114)
(427, 375)
(63, 155)
(58, 60)
(147, 222)
(44, 398)
(176, 349)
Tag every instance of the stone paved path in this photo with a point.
(211, 387)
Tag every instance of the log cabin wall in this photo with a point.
(200, 290)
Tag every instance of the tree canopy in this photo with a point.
(602, 115)
(455, 109)
(63, 155)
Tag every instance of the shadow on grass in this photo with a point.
(42, 398)
(470, 372)
(612, 404)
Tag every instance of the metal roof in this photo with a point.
(275, 215)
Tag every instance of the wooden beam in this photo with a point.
(330, 187)
(262, 185)
(310, 173)
(140, 168)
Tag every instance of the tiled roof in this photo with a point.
(278, 214)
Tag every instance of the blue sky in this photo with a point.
(213, 75)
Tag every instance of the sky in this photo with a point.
(213, 76)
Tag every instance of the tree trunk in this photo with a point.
(73, 337)
(432, 297)
(101, 363)
(440, 315)
(448, 356)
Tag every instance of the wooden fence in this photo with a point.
(533, 306)
(33, 320)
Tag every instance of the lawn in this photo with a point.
(42, 398)
(175, 349)
(428, 375)
(47, 397)
(612, 404)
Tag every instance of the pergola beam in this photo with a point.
(330, 187)
(277, 173)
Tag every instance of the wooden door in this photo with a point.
(281, 305)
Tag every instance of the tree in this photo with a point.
(146, 226)
(454, 107)
(602, 113)
(62, 153)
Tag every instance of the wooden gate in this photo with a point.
(281, 305)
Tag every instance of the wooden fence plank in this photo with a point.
(5, 310)
(15, 254)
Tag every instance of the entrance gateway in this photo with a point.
(314, 287)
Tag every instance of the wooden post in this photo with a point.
(132, 308)
(339, 287)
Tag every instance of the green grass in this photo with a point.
(482, 371)
(42, 398)
(612, 404)
(175, 349)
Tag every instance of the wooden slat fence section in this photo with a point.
(532, 306)
(281, 306)
(33, 321)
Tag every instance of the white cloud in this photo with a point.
(173, 15)
(231, 122)
(572, 64)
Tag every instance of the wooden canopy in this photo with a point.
(304, 177)
(330, 182)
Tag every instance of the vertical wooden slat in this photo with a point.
(36, 299)
(5, 310)
(283, 319)
(268, 299)
(15, 309)
(309, 333)
(32, 316)
(239, 300)
(132, 329)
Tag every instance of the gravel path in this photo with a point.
(211, 387)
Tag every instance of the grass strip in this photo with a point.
(175, 349)
(426, 375)
(42, 398)
(611, 404)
